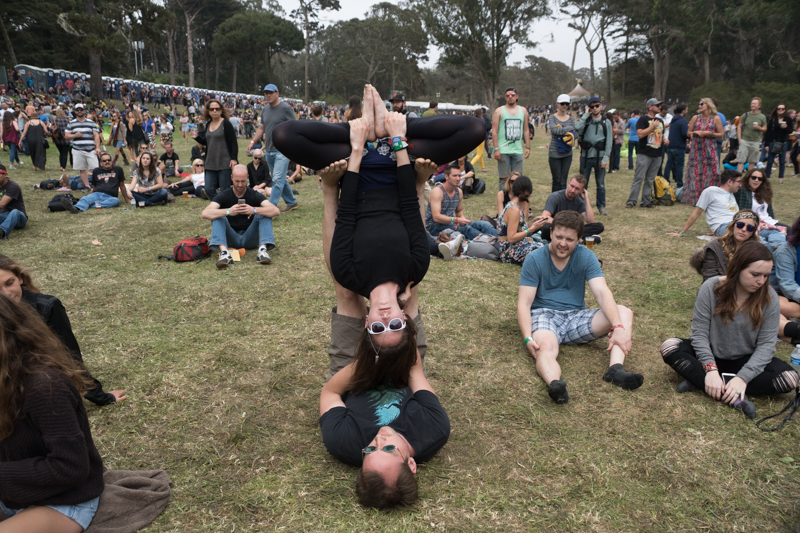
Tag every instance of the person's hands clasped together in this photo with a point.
(734, 390)
(714, 384)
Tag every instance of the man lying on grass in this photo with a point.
(551, 307)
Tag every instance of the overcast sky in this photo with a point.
(555, 38)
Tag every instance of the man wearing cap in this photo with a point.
(597, 137)
(650, 130)
(398, 100)
(85, 143)
(509, 131)
(274, 113)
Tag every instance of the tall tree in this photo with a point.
(191, 10)
(478, 35)
(308, 14)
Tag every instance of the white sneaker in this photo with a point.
(451, 249)
(263, 257)
(225, 259)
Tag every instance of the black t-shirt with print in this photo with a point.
(13, 190)
(227, 199)
(653, 144)
(108, 181)
(419, 417)
(170, 161)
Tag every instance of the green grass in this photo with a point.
(224, 370)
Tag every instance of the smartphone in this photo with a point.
(241, 201)
(727, 377)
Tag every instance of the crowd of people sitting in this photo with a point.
(387, 209)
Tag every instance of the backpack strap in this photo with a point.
(793, 405)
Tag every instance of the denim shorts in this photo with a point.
(82, 513)
(119, 144)
(569, 327)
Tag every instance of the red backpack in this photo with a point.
(191, 249)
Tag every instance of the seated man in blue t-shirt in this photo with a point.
(551, 307)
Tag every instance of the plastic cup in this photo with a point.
(97, 205)
(141, 204)
(589, 242)
(186, 194)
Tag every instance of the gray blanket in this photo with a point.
(131, 500)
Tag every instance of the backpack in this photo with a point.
(664, 194)
(49, 184)
(600, 146)
(478, 186)
(54, 204)
(193, 249)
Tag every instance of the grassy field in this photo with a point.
(224, 370)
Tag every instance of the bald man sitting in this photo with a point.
(241, 218)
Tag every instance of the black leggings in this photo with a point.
(63, 154)
(442, 139)
(777, 377)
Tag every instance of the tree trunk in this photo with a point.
(171, 47)
(308, 43)
(233, 88)
(216, 73)
(154, 59)
(706, 68)
(661, 57)
(189, 47)
(255, 75)
(207, 62)
(95, 67)
(608, 72)
(625, 64)
(7, 40)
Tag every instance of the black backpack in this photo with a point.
(49, 184)
(478, 186)
(55, 202)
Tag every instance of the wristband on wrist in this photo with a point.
(451, 220)
(709, 367)
(399, 145)
(682, 234)
(526, 341)
(254, 211)
(528, 232)
(228, 212)
(611, 331)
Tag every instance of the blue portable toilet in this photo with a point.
(51, 79)
(117, 88)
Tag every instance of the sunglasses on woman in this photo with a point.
(395, 324)
(751, 228)
(757, 178)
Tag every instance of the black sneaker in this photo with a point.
(558, 391)
(66, 203)
(647, 206)
(2, 233)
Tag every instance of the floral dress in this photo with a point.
(514, 252)
(702, 171)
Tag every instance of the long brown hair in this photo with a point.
(6, 263)
(373, 491)
(392, 366)
(725, 294)
(223, 111)
(150, 169)
(728, 242)
(27, 348)
(354, 111)
(764, 192)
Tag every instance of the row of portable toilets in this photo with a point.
(45, 78)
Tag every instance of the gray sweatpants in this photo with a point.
(643, 178)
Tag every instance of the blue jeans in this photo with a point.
(615, 157)
(150, 199)
(14, 153)
(772, 237)
(106, 201)
(15, 219)
(25, 151)
(217, 179)
(278, 166)
(632, 147)
(258, 232)
(781, 160)
(675, 163)
(470, 231)
(721, 230)
(594, 163)
(438, 178)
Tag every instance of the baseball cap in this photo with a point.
(271, 87)
(398, 95)
(595, 100)
(80, 106)
(612, 111)
(563, 99)
(653, 101)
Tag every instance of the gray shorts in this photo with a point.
(345, 332)
(569, 327)
(749, 152)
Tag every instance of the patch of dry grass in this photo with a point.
(224, 369)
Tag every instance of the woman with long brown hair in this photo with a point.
(354, 109)
(222, 148)
(734, 328)
(712, 259)
(135, 135)
(702, 169)
(756, 194)
(52, 473)
(147, 184)
(17, 285)
(776, 139)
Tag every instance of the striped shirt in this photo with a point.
(84, 143)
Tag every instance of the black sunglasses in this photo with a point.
(757, 178)
(751, 228)
(105, 161)
(594, 106)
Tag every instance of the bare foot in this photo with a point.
(424, 168)
(368, 112)
(331, 174)
(380, 114)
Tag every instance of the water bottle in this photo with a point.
(796, 356)
(133, 203)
